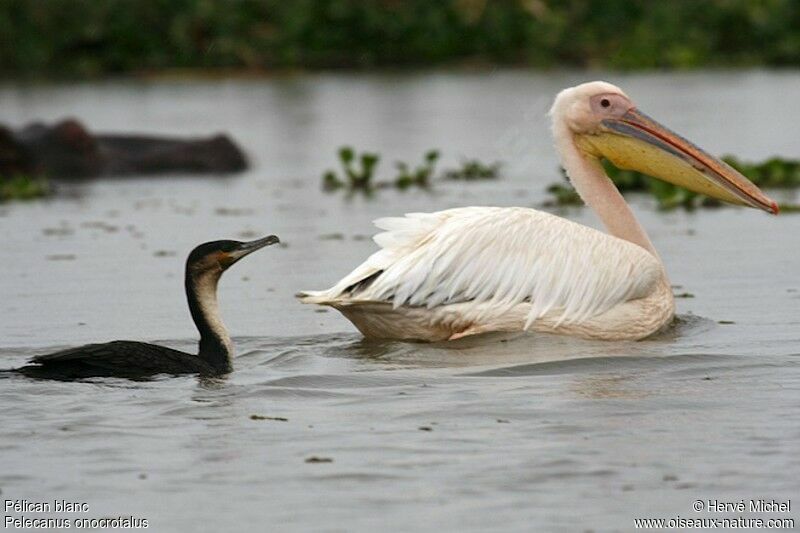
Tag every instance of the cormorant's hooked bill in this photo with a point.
(250, 247)
(227, 252)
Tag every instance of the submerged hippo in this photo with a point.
(69, 149)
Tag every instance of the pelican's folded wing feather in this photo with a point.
(499, 256)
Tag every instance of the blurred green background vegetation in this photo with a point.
(85, 38)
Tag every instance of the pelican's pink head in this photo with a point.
(603, 122)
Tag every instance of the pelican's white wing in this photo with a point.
(502, 257)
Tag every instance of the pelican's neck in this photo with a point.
(599, 192)
(215, 347)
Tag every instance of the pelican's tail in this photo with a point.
(315, 297)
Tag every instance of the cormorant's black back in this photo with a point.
(117, 358)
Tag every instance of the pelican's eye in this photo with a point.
(608, 105)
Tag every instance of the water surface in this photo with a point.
(517, 432)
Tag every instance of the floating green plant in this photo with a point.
(472, 169)
(562, 195)
(420, 176)
(23, 187)
(354, 178)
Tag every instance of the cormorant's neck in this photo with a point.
(215, 347)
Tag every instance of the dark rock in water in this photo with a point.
(69, 149)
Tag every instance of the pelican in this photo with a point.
(471, 270)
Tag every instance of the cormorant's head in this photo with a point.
(218, 256)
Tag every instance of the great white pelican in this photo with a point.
(471, 270)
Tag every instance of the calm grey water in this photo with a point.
(525, 433)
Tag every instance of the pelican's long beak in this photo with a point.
(637, 142)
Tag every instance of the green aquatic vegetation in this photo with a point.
(23, 187)
(360, 177)
(354, 178)
(669, 196)
(563, 195)
(117, 36)
(420, 176)
(772, 173)
(472, 169)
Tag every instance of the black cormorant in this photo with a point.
(204, 266)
